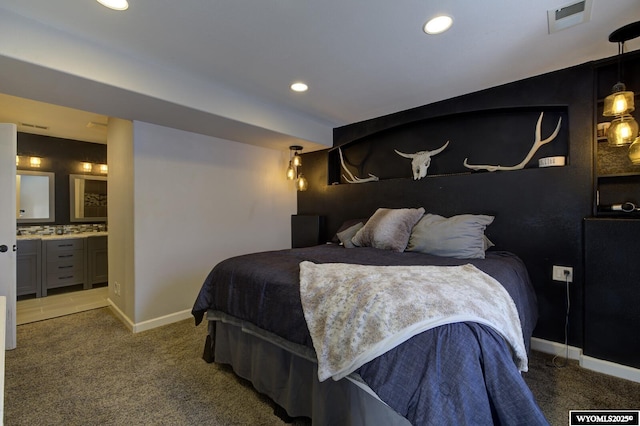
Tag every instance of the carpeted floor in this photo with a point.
(558, 390)
(87, 368)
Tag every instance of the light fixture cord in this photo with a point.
(620, 53)
(553, 362)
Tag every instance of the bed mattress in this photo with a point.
(460, 373)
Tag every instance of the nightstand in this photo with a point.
(307, 230)
(612, 290)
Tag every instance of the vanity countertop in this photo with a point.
(63, 236)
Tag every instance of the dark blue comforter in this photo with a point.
(460, 373)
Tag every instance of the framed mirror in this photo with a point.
(35, 197)
(88, 198)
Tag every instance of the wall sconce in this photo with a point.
(295, 161)
(87, 167)
(104, 169)
(621, 103)
(17, 160)
(35, 161)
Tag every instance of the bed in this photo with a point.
(466, 370)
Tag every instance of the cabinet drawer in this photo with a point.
(68, 255)
(65, 265)
(65, 244)
(63, 279)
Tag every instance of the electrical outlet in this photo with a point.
(560, 273)
(116, 288)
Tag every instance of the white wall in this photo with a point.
(198, 200)
(120, 208)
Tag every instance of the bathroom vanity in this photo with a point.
(54, 261)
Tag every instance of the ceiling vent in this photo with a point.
(35, 126)
(569, 15)
(96, 125)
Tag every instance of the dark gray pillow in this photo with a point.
(388, 229)
(460, 236)
(346, 235)
(346, 224)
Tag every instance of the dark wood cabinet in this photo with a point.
(63, 263)
(28, 272)
(44, 264)
(612, 290)
(97, 261)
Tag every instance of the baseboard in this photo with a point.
(587, 362)
(121, 315)
(610, 368)
(555, 348)
(149, 324)
(163, 320)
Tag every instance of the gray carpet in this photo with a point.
(87, 368)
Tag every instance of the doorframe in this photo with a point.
(8, 151)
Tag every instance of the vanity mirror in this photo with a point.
(35, 196)
(88, 198)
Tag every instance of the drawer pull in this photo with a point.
(65, 267)
(65, 278)
(65, 255)
(65, 245)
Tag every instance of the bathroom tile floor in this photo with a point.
(56, 305)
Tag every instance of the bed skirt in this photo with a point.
(288, 374)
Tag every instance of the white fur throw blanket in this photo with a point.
(356, 313)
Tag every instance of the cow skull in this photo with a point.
(421, 160)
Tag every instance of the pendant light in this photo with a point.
(621, 103)
(295, 161)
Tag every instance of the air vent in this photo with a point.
(569, 15)
(35, 126)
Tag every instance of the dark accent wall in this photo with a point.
(539, 211)
(509, 132)
(62, 157)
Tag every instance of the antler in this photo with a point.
(354, 179)
(536, 145)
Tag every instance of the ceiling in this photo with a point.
(52, 120)
(361, 58)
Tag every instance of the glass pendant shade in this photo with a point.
(623, 131)
(297, 160)
(291, 172)
(302, 183)
(634, 152)
(618, 103)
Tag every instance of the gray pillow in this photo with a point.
(388, 229)
(347, 224)
(346, 235)
(460, 236)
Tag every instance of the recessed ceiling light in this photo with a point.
(299, 87)
(438, 25)
(115, 4)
